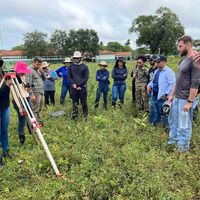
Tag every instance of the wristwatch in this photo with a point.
(189, 101)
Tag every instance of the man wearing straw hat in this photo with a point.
(62, 73)
(78, 75)
(36, 80)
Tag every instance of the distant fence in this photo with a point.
(13, 59)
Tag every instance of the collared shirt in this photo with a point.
(166, 82)
(35, 80)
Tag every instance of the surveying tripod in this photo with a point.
(24, 108)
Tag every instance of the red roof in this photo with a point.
(10, 53)
(107, 52)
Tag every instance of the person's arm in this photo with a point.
(196, 59)
(85, 79)
(149, 87)
(171, 79)
(97, 76)
(69, 76)
(42, 74)
(106, 76)
(172, 94)
(58, 72)
(114, 76)
(195, 82)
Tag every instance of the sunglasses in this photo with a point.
(139, 63)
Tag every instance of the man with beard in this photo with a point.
(184, 95)
(78, 75)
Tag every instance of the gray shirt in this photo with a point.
(188, 77)
(35, 79)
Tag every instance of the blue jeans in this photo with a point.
(152, 108)
(4, 123)
(158, 105)
(102, 89)
(118, 90)
(65, 88)
(177, 135)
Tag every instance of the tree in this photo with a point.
(84, 41)
(127, 43)
(159, 31)
(60, 42)
(35, 43)
(19, 47)
(114, 46)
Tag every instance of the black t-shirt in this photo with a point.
(4, 96)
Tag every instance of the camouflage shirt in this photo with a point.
(141, 75)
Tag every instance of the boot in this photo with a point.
(21, 138)
(113, 104)
(62, 101)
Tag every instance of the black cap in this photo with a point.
(121, 59)
(153, 57)
(161, 58)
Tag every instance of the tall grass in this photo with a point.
(111, 156)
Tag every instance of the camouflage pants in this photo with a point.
(142, 99)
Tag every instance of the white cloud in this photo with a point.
(111, 19)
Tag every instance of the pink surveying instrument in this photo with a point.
(23, 105)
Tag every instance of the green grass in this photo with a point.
(112, 156)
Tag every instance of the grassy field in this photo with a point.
(112, 156)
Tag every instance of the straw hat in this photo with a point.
(45, 64)
(67, 60)
(103, 63)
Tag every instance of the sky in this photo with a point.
(110, 18)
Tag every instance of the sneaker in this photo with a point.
(6, 154)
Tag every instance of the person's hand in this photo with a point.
(133, 76)
(187, 107)
(74, 86)
(48, 76)
(196, 59)
(164, 97)
(28, 89)
(149, 90)
(78, 88)
(33, 99)
(171, 98)
(9, 82)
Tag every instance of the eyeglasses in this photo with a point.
(139, 63)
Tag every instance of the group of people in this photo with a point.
(151, 88)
